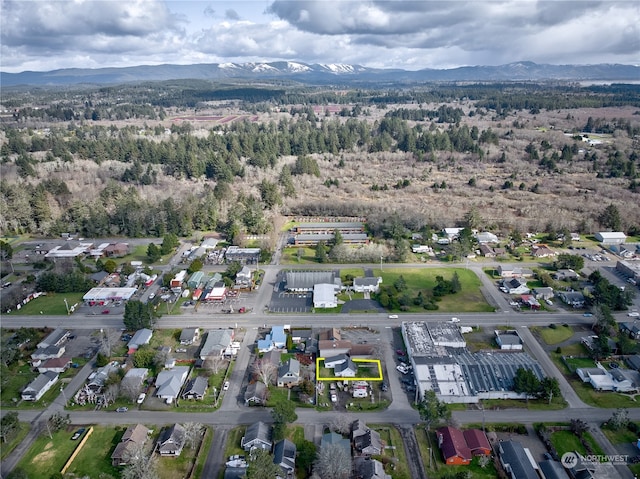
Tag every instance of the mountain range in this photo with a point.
(324, 73)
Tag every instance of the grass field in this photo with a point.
(566, 441)
(51, 304)
(48, 455)
(13, 440)
(299, 255)
(469, 299)
(95, 456)
(554, 335)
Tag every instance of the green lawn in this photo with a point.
(533, 404)
(95, 456)
(393, 456)
(554, 335)
(13, 382)
(291, 256)
(51, 304)
(13, 440)
(620, 436)
(48, 455)
(566, 441)
(469, 299)
(204, 451)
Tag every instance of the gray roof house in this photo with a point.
(135, 377)
(348, 369)
(289, 373)
(553, 470)
(56, 338)
(257, 434)
(128, 445)
(189, 336)
(364, 439)
(218, 340)
(256, 394)
(40, 385)
(171, 441)
(337, 439)
(97, 379)
(366, 468)
(169, 382)
(141, 336)
(284, 455)
(515, 461)
(195, 388)
(48, 352)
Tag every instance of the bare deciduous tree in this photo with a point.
(129, 389)
(193, 432)
(265, 370)
(215, 364)
(333, 463)
(142, 464)
(342, 423)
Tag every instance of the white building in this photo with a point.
(610, 237)
(324, 295)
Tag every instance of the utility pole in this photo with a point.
(67, 305)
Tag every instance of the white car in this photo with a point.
(454, 320)
(633, 314)
(393, 316)
(403, 368)
(226, 386)
(141, 398)
(334, 398)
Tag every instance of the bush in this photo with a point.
(552, 326)
(559, 350)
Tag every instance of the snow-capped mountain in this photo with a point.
(324, 73)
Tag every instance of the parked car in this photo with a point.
(454, 320)
(633, 314)
(78, 433)
(334, 398)
(122, 409)
(105, 311)
(226, 385)
(141, 398)
(587, 315)
(384, 387)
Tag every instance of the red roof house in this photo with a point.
(454, 447)
(477, 442)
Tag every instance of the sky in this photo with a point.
(42, 35)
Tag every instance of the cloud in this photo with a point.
(399, 34)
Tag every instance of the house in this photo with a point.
(618, 380)
(365, 440)
(487, 251)
(116, 250)
(277, 338)
(574, 299)
(553, 470)
(632, 329)
(289, 373)
(55, 365)
(257, 435)
(530, 301)
(284, 455)
(543, 293)
(189, 336)
(332, 361)
(196, 279)
(330, 348)
(454, 447)
(611, 237)
(256, 394)
(324, 295)
(99, 378)
(39, 386)
(367, 284)
(135, 377)
(633, 362)
(169, 382)
(542, 251)
(243, 277)
(129, 445)
(565, 275)
(515, 286)
(337, 439)
(507, 271)
(367, 468)
(171, 441)
(347, 369)
(509, 340)
(486, 237)
(196, 388)
(217, 343)
(477, 442)
(141, 336)
(515, 460)
(50, 352)
(55, 338)
(452, 233)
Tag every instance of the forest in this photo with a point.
(121, 161)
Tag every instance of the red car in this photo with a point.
(400, 352)
(105, 311)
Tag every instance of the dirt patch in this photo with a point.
(45, 456)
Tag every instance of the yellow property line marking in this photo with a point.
(334, 378)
